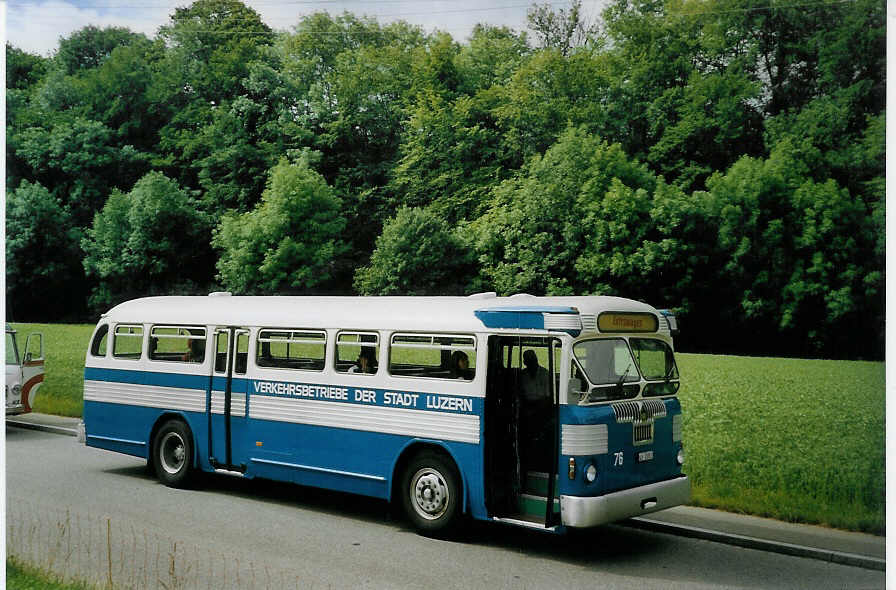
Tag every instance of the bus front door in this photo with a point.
(227, 407)
(521, 429)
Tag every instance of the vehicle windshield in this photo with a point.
(606, 361)
(12, 353)
(657, 363)
(609, 367)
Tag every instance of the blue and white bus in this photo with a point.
(545, 412)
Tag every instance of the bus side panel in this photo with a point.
(122, 406)
(354, 461)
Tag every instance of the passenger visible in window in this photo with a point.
(535, 412)
(195, 351)
(534, 380)
(460, 365)
(366, 362)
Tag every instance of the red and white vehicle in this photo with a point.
(24, 374)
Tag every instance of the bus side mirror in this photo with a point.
(27, 357)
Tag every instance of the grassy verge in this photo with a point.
(23, 577)
(64, 348)
(796, 440)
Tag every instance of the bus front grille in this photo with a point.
(643, 433)
(641, 414)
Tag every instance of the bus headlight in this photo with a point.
(680, 456)
(590, 473)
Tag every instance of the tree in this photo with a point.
(492, 56)
(417, 254)
(23, 69)
(42, 256)
(800, 267)
(79, 159)
(150, 240)
(548, 93)
(211, 44)
(451, 156)
(90, 46)
(563, 30)
(532, 235)
(118, 94)
(291, 241)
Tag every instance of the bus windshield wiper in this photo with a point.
(619, 387)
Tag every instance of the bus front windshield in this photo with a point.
(657, 363)
(610, 368)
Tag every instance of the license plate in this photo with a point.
(645, 456)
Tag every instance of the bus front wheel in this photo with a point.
(172, 454)
(431, 493)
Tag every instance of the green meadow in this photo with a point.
(797, 440)
(792, 439)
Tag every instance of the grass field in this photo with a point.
(796, 440)
(23, 577)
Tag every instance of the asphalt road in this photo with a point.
(100, 516)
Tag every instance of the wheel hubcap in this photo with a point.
(172, 453)
(429, 493)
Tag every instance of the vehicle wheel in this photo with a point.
(172, 454)
(431, 493)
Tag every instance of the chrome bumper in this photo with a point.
(580, 511)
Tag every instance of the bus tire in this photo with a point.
(431, 494)
(172, 454)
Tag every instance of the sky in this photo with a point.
(37, 25)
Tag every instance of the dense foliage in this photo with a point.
(721, 157)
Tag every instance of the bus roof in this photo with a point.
(452, 314)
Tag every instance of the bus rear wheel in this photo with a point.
(431, 494)
(172, 454)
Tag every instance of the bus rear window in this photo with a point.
(439, 356)
(98, 346)
(292, 349)
(127, 342)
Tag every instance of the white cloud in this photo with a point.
(37, 27)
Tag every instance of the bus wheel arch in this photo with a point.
(428, 483)
(172, 452)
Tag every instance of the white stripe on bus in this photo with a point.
(147, 396)
(388, 420)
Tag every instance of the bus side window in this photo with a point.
(127, 342)
(221, 343)
(292, 349)
(98, 346)
(177, 344)
(433, 356)
(357, 352)
(242, 353)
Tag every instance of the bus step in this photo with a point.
(529, 522)
(536, 483)
(535, 505)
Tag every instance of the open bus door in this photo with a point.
(24, 373)
(521, 433)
